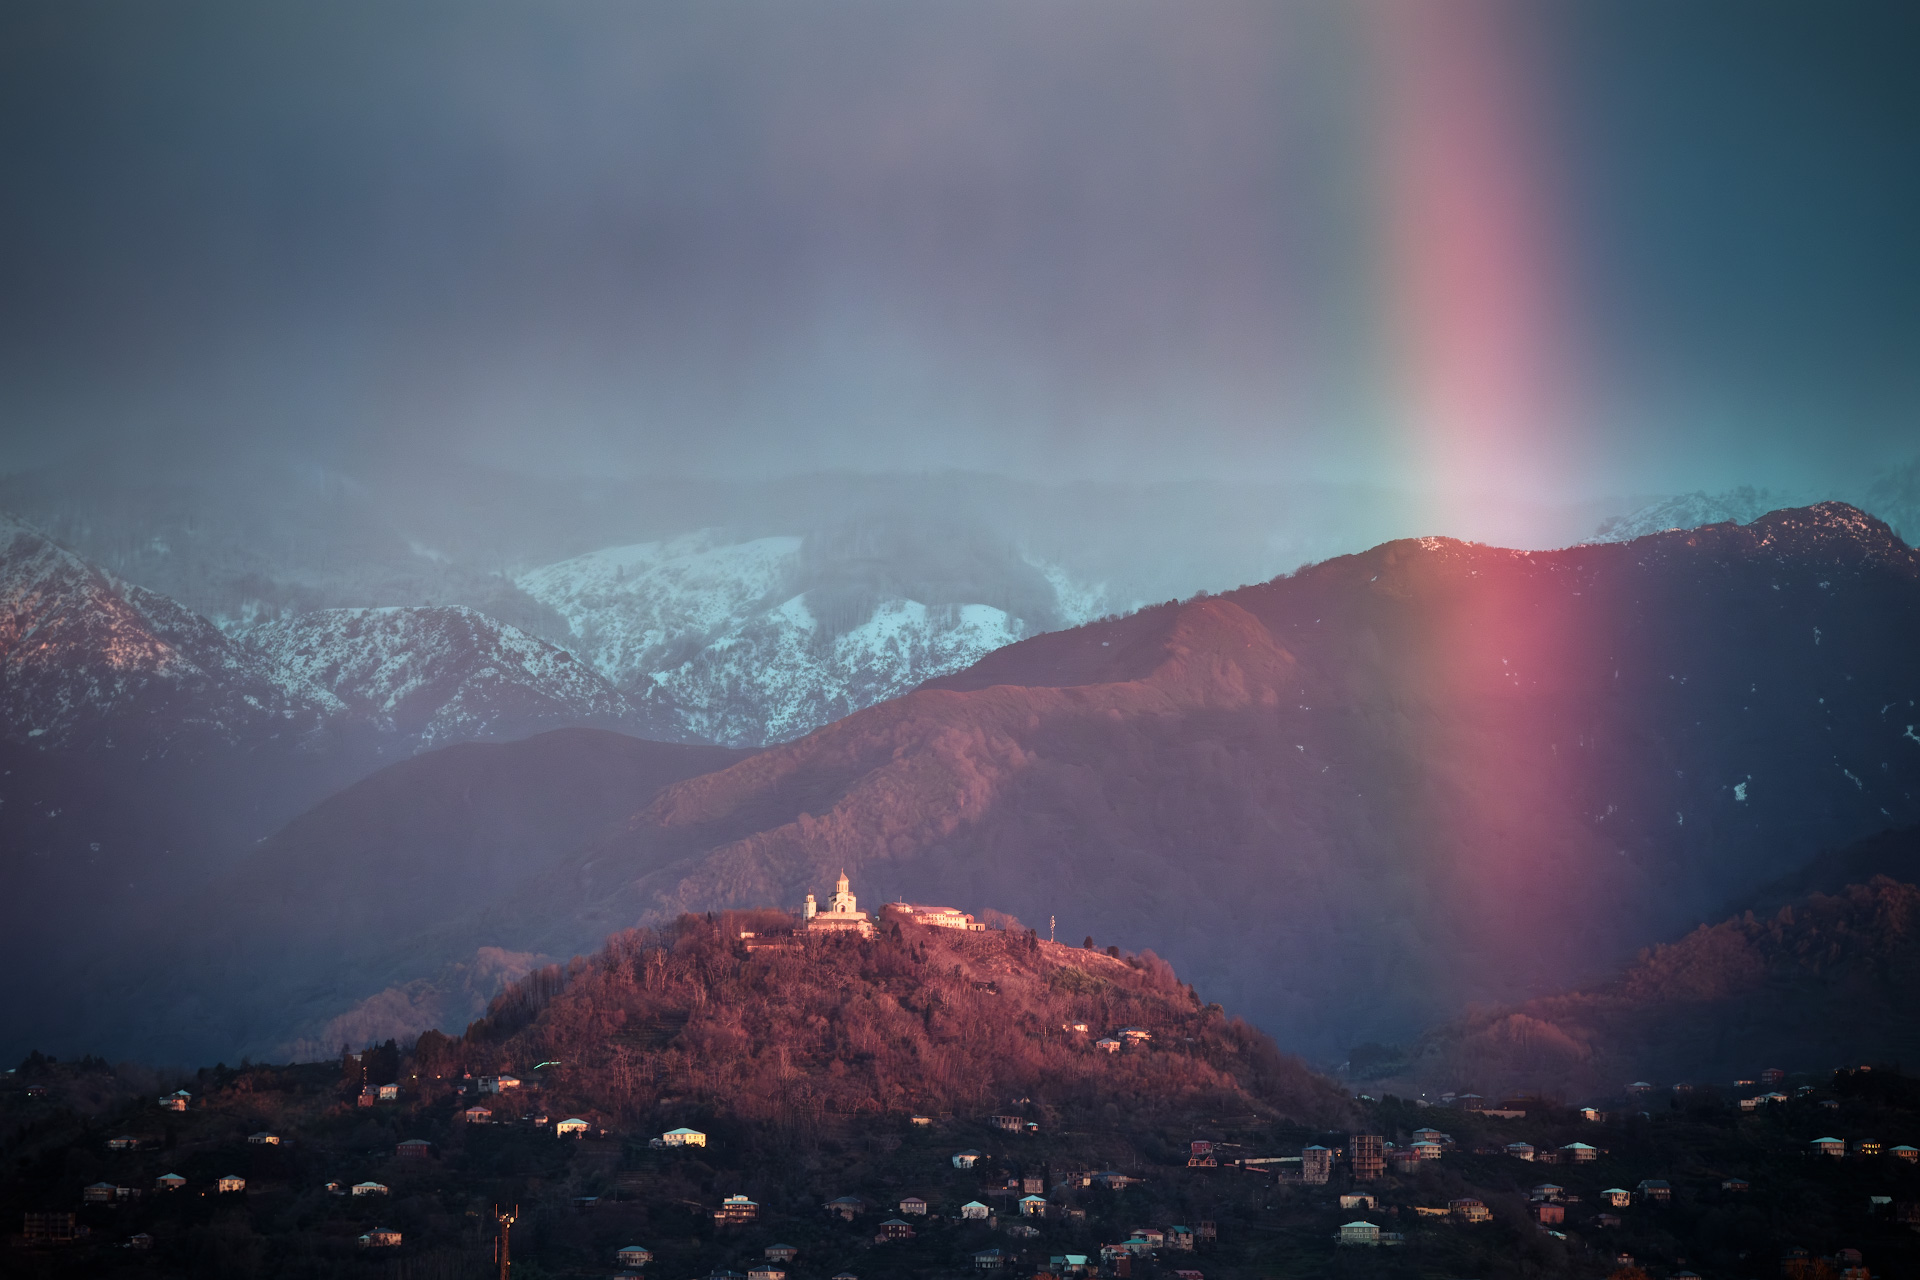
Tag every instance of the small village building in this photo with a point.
(1200, 1155)
(1107, 1044)
(496, 1084)
(1548, 1214)
(1033, 1183)
(1079, 1028)
(936, 917)
(1316, 1164)
(1735, 1184)
(1150, 1237)
(842, 914)
(633, 1255)
(1428, 1150)
(684, 1138)
(1592, 1113)
(572, 1127)
(1772, 1075)
(1033, 1206)
(1866, 1147)
(1012, 1124)
(1580, 1152)
(176, 1101)
(1903, 1152)
(965, 1159)
(847, 1207)
(1470, 1102)
(894, 1229)
(1607, 1220)
(139, 1240)
(766, 1271)
(1618, 1197)
(125, 1142)
(1114, 1180)
(1135, 1035)
(232, 1182)
(1179, 1237)
(1655, 1191)
(1828, 1147)
(1069, 1264)
(413, 1149)
(973, 1210)
(1467, 1209)
(1520, 1150)
(1386, 1237)
(369, 1189)
(1360, 1233)
(922, 1122)
(1430, 1135)
(264, 1139)
(1547, 1191)
(477, 1115)
(380, 1238)
(388, 1092)
(914, 1204)
(169, 1182)
(1358, 1200)
(989, 1260)
(781, 1253)
(100, 1193)
(736, 1209)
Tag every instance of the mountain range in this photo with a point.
(1350, 801)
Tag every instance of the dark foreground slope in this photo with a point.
(1824, 981)
(1360, 797)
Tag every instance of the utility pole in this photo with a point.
(500, 1247)
(1050, 924)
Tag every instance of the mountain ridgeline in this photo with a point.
(1388, 785)
(1347, 802)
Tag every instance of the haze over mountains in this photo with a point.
(1347, 801)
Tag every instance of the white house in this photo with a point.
(572, 1127)
(1828, 1147)
(1580, 1153)
(169, 1182)
(125, 1142)
(633, 1256)
(965, 1159)
(1359, 1233)
(369, 1189)
(232, 1182)
(684, 1138)
(1033, 1206)
(973, 1209)
(264, 1139)
(1107, 1044)
(477, 1115)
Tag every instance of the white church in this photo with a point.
(842, 915)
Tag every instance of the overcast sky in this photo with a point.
(1572, 248)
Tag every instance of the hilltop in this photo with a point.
(686, 1020)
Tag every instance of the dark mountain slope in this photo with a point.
(1353, 799)
(1824, 982)
(373, 912)
(915, 1019)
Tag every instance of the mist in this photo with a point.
(1112, 244)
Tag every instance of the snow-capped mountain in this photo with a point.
(1690, 511)
(436, 675)
(86, 659)
(750, 642)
